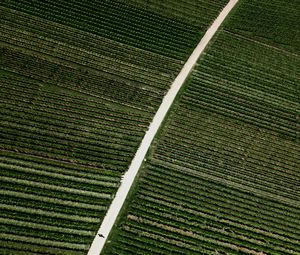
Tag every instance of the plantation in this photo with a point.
(222, 176)
(129, 22)
(80, 83)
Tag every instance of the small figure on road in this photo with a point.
(101, 235)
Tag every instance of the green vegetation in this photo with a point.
(129, 23)
(223, 176)
(80, 82)
(276, 26)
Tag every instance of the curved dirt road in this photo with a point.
(130, 175)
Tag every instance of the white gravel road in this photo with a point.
(130, 175)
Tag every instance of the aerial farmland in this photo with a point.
(150, 127)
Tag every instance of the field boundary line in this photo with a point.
(129, 176)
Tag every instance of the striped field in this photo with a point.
(223, 174)
(80, 81)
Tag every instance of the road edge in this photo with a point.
(129, 177)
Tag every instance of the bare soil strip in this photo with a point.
(138, 159)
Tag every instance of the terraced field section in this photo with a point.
(80, 83)
(223, 175)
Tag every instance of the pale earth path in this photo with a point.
(129, 176)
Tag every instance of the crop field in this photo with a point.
(80, 81)
(130, 22)
(223, 176)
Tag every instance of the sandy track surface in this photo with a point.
(130, 175)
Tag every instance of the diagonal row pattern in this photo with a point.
(223, 174)
(80, 82)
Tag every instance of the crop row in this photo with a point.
(234, 142)
(97, 85)
(236, 146)
(31, 246)
(76, 126)
(64, 137)
(256, 162)
(54, 32)
(152, 21)
(237, 223)
(249, 21)
(85, 137)
(238, 156)
(223, 129)
(246, 64)
(46, 167)
(35, 244)
(81, 84)
(262, 74)
(216, 200)
(251, 46)
(59, 96)
(37, 136)
(77, 156)
(187, 10)
(54, 204)
(50, 187)
(70, 111)
(111, 19)
(130, 241)
(223, 174)
(51, 190)
(232, 196)
(13, 171)
(232, 98)
(239, 211)
(212, 233)
(257, 93)
(62, 209)
(85, 58)
(228, 171)
(153, 204)
(231, 103)
(247, 113)
(49, 212)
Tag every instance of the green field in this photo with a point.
(80, 83)
(223, 176)
(148, 26)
